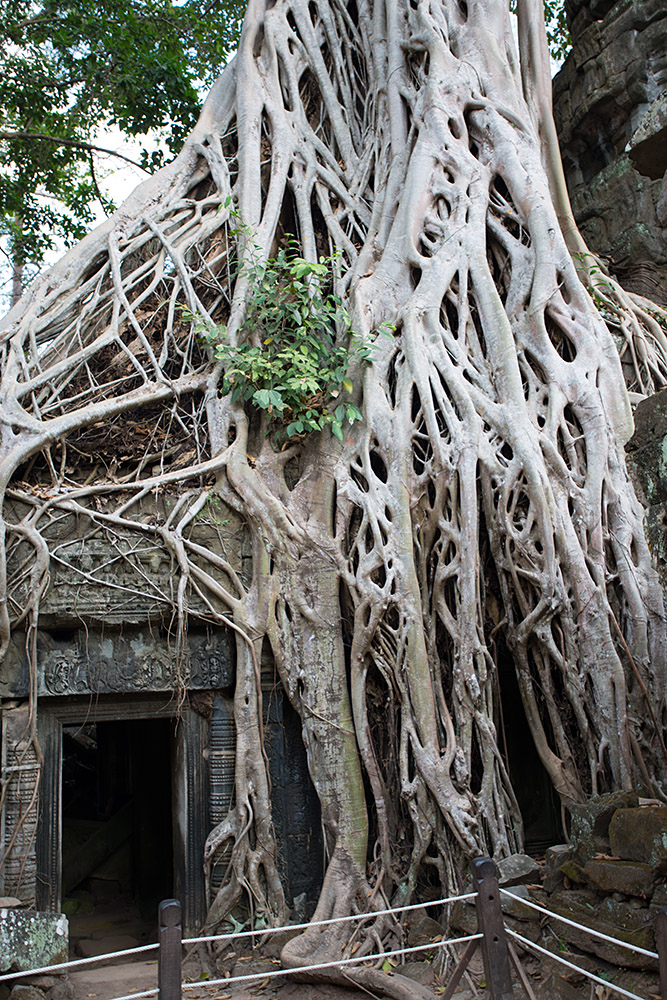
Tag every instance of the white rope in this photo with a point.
(331, 920)
(322, 965)
(576, 968)
(226, 937)
(79, 961)
(305, 968)
(582, 927)
(147, 993)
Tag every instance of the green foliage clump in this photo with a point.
(294, 364)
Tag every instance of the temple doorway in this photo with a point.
(123, 807)
(117, 844)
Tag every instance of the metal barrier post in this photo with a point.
(169, 953)
(490, 920)
(661, 942)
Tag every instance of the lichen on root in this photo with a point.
(484, 499)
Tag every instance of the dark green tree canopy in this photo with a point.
(72, 66)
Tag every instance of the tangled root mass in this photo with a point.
(482, 503)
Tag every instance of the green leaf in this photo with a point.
(348, 385)
(275, 399)
(262, 398)
(337, 429)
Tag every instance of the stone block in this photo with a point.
(555, 857)
(419, 972)
(513, 906)
(632, 878)
(30, 940)
(605, 102)
(23, 992)
(422, 929)
(659, 897)
(61, 991)
(648, 145)
(572, 871)
(518, 869)
(463, 919)
(616, 919)
(640, 835)
(647, 457)
(590, 823)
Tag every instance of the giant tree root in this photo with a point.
(480, 513)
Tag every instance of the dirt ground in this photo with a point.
(107, 930)
(111, 982)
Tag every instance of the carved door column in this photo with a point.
(191, 815)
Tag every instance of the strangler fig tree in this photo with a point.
(483, 498)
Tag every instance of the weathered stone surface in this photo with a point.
(422, 929)
(619, 920)
(23, 992)
(138, 660)
(61, 991)
(648, 143)
(558, 983)
(463, 918)
(518, 869)
(31, 940)
(553, 859)
(632, 878)
(640, 835)
(647, 464)
(607, 110)
(655, 526)
(659, 897)
(419, 972)
(647, 450)
(572, 871)
(120, 581)
(590, 823)
(511, 903)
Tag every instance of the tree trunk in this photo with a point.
(483, 497)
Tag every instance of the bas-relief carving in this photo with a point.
(89, 662)
(124, 578)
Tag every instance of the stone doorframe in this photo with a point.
(190, 792)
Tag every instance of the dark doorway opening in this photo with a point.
(117, 848)
(538, 802)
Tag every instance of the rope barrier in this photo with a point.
(576, 968)
(148, 993)
(583, 927)
(331, 920)
(325, 965)
(78, 961)
(271, 974)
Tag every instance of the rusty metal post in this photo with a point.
(490, 921)
(661, 942)
(169, 951)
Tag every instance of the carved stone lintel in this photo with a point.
(89, 662)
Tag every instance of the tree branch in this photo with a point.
(74, 143)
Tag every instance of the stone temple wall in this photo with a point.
(107, 654)
(610, 106)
